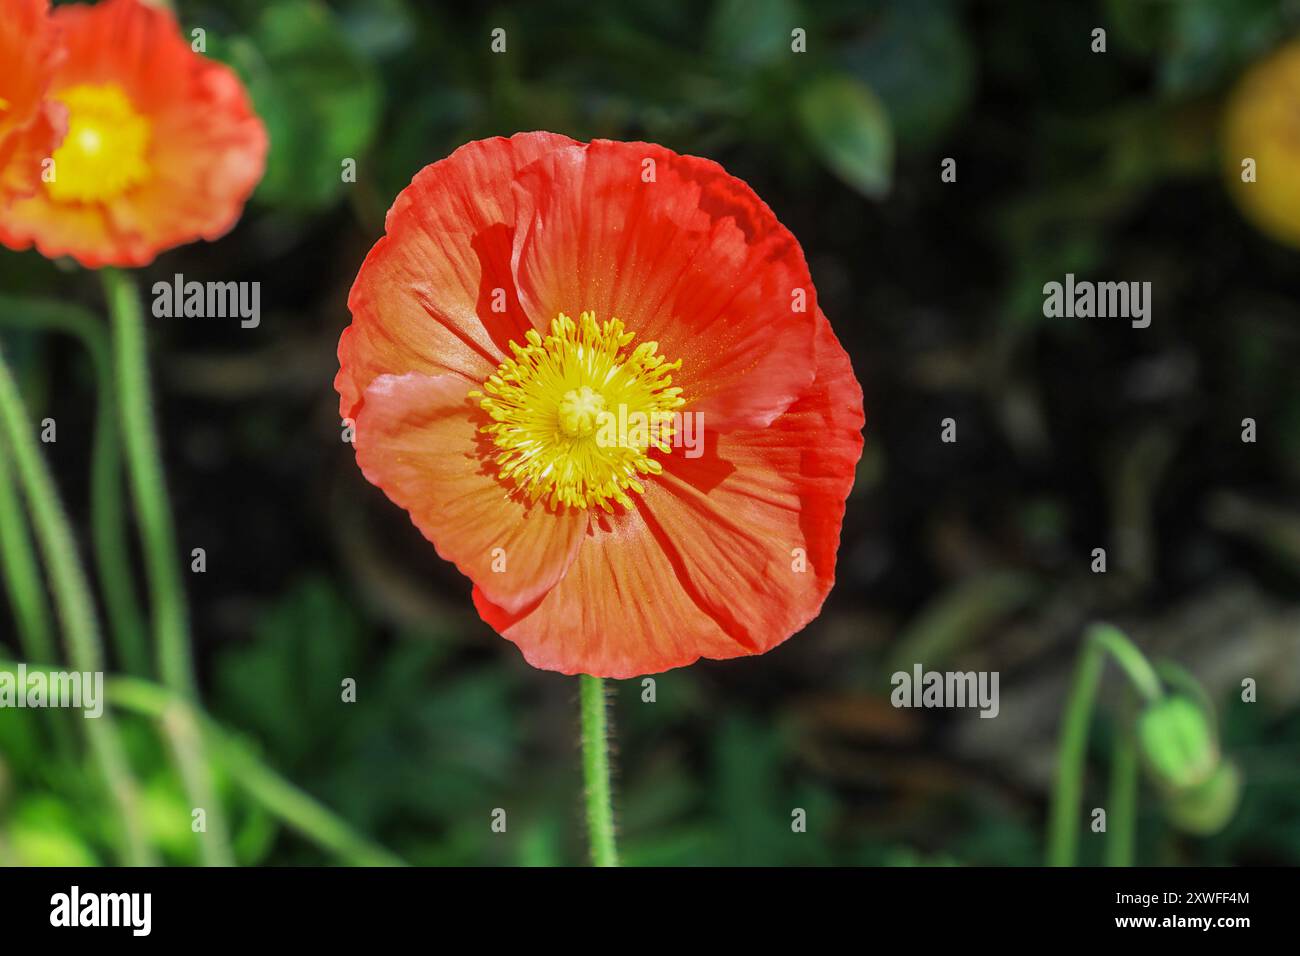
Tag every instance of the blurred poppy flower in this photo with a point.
(531, 291)
(1262, 123)
(162, 145)
(30, 125)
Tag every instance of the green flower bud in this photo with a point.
(1207, 808)
(1178, 742)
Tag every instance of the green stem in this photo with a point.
(1067, 796)
(148, 487)
(1121, 816)
(595, 768)
(108, 529)
(167, 594)
(1068, 793)
(22, 573)
(183, 734)
(1130, 660)
(108, 517)
(75, 608)
(278, 796)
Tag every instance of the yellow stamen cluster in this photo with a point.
(560, 411)
(104, 152)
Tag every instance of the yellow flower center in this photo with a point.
(579, 411)
(104, 152)
(575, 414)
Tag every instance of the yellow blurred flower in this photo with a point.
(1262, 123)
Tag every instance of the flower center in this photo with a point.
(579, 410)
(575, 414)
(103, 154)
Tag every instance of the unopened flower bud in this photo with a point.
(1178, 742)
(1207, 807)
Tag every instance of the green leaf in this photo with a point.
(306, 643)
(849, 128)
(917, 58)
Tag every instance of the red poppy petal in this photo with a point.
(755, 523)
(424, 299)
(693, 260)
(27, 51)
(618, 612)
(417, 439)
(30, 126)
(23, 153)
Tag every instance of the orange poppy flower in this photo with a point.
(162, 146)
(533, 296)
(30, 125)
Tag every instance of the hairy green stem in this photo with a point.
(75, 609)
(595, 769)
(108, 516)
(148, 486)
(1067, 796)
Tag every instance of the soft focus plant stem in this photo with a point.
(183, 734)
(595, 769)
(22, 574)
(75, 608)
(277, 796)
(149, 490)
(1111, 640)
(1121, 816)
(293, 807)
(112, 554)
(148, 487)
(1102, 639)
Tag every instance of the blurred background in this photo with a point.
(1073, 434)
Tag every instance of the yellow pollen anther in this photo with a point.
(104, 152)
(575, 414)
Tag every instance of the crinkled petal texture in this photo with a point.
(30, 126)
(423, 300)
(728, 550)
(206, 148)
